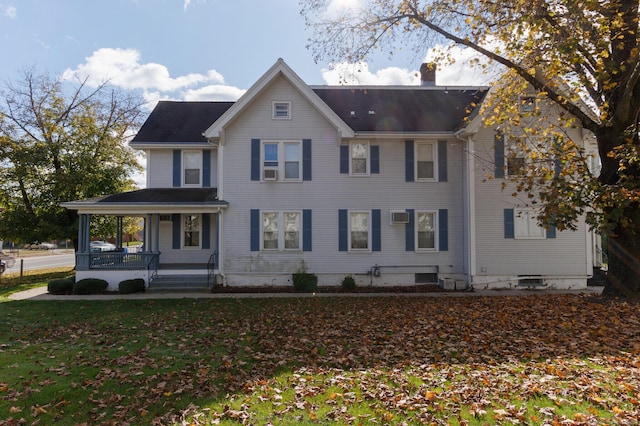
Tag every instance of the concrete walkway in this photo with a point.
(41, 293)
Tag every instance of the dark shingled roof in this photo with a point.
(393, 109)
(162, 196)
(180, 121)
(377, 109)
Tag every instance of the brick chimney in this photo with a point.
(428, 74)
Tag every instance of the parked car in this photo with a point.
(47, 246)
(99, 246)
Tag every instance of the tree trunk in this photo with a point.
(623, 276)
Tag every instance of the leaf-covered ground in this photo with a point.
(541, 359)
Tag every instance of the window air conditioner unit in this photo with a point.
(399, 217)
(270, 174)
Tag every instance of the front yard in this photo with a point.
(540, 359)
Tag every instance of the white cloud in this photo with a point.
(467, 68)
(339, 7)
(186, 4)
(359, 74)
(215, 92)
(10, 11)
(123, 68)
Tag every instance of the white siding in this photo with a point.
(328, 192)
(499, 257)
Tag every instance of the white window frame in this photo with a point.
(183, 231)
(275, 110)
(281, 241)
(281, 166)
(359, 250)
(184, 168)
(434, 152)
(528, 103)
(434, 214)
(368, 158)
(514, 146)
(525, 225)
(520, 146)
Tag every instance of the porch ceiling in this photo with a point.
(152, 200)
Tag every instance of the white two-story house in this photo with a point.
(387, 184)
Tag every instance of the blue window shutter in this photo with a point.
(255, 159)
(499, 156)
(408, 161)
(557, 145)
(376, 231)
(306, 159)
(306, 230)
(509, 224)
(443, 230)
(343, 230)
(255, 230)
(175, 243)
(551, 229)
(206, 168)
(177, 168)
(409, 229)
(375, 159)
(344, 159)
(206, 231)
(442, 161)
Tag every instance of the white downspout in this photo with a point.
(470, 201)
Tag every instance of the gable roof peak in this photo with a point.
(279, 68)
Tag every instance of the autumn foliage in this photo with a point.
(539, 359)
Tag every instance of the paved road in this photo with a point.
(48, 260)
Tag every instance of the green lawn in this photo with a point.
(539, 359)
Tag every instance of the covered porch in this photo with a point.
(181, 237)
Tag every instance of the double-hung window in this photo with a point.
(425, 161)
(281, 160)
(359, 231)
(192, 168)
(292, 160)
(425, 230)
(526, 224)
(359, 158)
(191, 230)
(281, 230)
(516, 157)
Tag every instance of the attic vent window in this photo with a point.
(282, 110)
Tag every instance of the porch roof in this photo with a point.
(152, 200)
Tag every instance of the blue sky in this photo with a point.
(180, 49)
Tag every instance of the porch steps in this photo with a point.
(183, 282)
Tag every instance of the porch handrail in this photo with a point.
(117, 261)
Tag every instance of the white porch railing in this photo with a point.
(116, 261)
